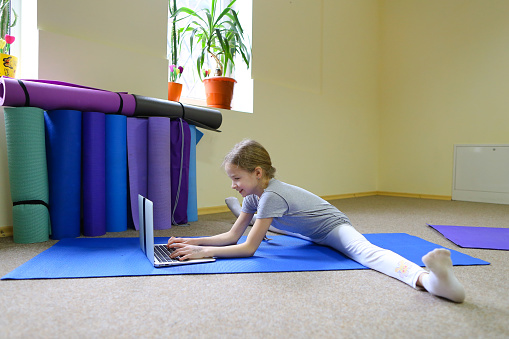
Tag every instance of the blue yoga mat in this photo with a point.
(116, 172)
(112, 257)
(63, 153)
(192, 199)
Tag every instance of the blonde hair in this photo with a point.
(249, 154)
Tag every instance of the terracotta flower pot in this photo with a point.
(174, 91)
(8, 64)
(219, 91)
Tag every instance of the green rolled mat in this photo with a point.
(28, 174)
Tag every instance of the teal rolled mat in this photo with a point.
(28, 174)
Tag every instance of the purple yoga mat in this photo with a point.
(52, 95)
(180, 151)
(154, 149)
(94, 174)
(159, 173)
(137, 162)
(476, 237)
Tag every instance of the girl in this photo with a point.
(295, 211)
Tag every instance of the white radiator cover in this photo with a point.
(481, 173)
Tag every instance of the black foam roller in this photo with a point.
(199, 116)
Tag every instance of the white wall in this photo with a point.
(118, 45)
(115, 45)
(445, 74)
(349, 96)
(315, 99)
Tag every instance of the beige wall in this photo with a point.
(315, 99)
(444, 76)
(350, 96)
(115, 45)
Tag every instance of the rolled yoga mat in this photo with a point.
(180, 153)
(63, 153)
(53, 95)
(154, 148)
(28, 175)
(116, 173)
(113, 257)
(94, 174)
(199, 116)
(137, 162)
(159, 170)
(192, 199)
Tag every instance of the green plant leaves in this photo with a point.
(222, 37)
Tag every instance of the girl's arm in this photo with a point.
(232, 236)
(246, 249)
(228, 238)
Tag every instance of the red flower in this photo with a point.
(9, 39)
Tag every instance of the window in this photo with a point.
(193, 91)
(26, 45)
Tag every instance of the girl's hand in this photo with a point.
(186, 251)
(173, 240)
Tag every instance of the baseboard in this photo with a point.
(213, 210)
(350, 195)
(412, 195)
(6, 231)
(222, 209)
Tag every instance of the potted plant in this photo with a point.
(175, 71)
(8, 62)
(219, 34)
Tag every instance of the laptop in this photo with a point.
(157, 254)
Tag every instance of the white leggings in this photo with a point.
(347, 240)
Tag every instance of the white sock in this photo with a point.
(234, 206)
(441, 280)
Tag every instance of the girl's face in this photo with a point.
(244, 182)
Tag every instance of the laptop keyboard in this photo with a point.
(162, 253)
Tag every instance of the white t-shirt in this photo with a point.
(295, 210)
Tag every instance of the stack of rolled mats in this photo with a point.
(79, 156)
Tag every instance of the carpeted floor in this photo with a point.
(328, 304)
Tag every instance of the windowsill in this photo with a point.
(203, 103)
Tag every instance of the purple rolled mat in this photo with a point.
(94, 173)
(154, 147)
(52, 95)
(180, 153)
(137, 163)
(159, 173)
